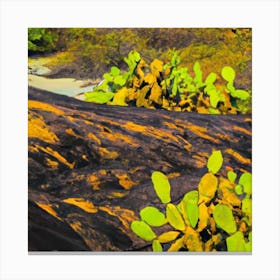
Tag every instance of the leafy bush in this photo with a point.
(170, 86)
(41, 40)
(95, 50)
(215, 217)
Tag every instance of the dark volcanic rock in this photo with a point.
(90, 166)
(46, 233)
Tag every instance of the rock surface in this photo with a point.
(90, 166)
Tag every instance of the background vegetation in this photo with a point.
(90, 52)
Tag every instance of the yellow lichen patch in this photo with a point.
(116, 195)
(248, 120)
(225, 137)
(51, 163)
(188, 145)
(44, 106)
(84, 157)
(104, 128)
(79, 177)
(243, 130)
(70, 131)
(124, 179)
(203, 154)
(76, 226)
(71, 119)
(238, 156)
(102, 172)
(93, 137)
(135, 127)
(106, 120)
(174, 126)
(201, 159)
(84, 115)
(58, 156)
(94, 181)
(201, 132)
(229, 168)
(115, 136)
(200, 162)
(33, 149)
(126, 216)
(136, 169)
(160, 134)
(106, 154)
(48, 208)
(88, 122)
(87, 206)
(125, 182)
(37, 128)
(173, 175)
(242, 170)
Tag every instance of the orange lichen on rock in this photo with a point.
(151, 131)
(71, 132)
(243, 130)
(162, 134)
(56, 155)
(37, 128)
(202, 132)
(225, 137)
(200, 162)
(44, 107)
(94, 181)
(173, 126)
(70, 118)
(48, 208)
(51, 163)
(136, 169)
(126, 216)
(135, 127)
(86, 205)
(237, 156)
(102, 172)
(116, 136)
(88, 122)
(187, 145)
(124, 179)
(248, 120)
(106, 154)
(117, 194)
(173, 175)
(76, 226)
(93, 137)
(95, 178)
(84, 157)
(229, 168)
(242, 170)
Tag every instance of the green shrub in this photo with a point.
(215, 217)
(170, 86)
(41, 40)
